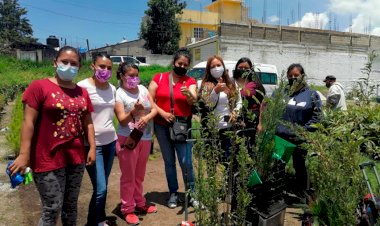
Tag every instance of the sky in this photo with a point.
(109, 22)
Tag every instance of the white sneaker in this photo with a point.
(196, 204)
(103, 223)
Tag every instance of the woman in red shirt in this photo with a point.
(185, 95)
(56, 120)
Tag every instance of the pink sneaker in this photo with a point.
(146, 209)
(132, 219)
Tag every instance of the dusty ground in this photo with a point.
(19, 207)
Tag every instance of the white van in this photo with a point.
(267, 73)
(128, 59)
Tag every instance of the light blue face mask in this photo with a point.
(66, 72)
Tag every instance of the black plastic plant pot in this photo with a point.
(273, 215)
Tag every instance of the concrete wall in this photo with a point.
(318, 60)
(159, 59)
(135, 48)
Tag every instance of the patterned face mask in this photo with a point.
(103, 75)
(132, 82)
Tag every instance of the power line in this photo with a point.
(103, 9)
(78, 18)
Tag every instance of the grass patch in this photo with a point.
(16, 75)
(13, 136)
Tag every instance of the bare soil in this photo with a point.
(21, 206)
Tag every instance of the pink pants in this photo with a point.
(132, 166)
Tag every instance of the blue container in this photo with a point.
(15, 179)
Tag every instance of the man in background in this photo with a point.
(336, 98)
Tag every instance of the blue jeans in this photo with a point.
(184, 155)
(99, 173)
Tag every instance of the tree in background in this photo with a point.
(14, 26)
(160, 28)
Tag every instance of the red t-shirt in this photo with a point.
(181, 107)
(58, 138)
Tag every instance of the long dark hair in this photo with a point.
(252, 76)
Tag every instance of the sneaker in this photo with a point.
(173, 200)
(104, 223)
(196, 204)
(132, 219)
(146, 209)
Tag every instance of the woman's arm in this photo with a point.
(123, 117)
(317, 112)
(166, 115)
(90, 132)
(190, 93)
(27, 131)
(145, 119)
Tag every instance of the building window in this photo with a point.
(198, 32)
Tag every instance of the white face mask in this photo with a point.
(217, 72)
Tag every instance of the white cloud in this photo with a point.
(364, 12)
(313, 20)
(273, 19)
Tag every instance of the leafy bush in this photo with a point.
(335, 173)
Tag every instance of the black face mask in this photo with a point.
(180, 71)
(238, 73)
(291, 81)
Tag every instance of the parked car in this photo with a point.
(267, 73)
(128, 59)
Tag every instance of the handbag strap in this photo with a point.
(171, 93)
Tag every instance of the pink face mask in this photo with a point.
(132, 82)
(103, 75)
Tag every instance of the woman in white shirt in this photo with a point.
(102, 95)
(221, 96)
(135, 111)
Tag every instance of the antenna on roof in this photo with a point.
(330, 21)
(264, 12)
(299, 13)
(351, 23)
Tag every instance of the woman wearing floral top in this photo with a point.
(56, 122)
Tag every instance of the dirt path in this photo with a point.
(19, 207)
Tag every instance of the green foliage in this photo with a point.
(14, 26)
(364, 89)
(271, 117)
(13, 136)
(146, 73)
(323, 89)
(335, 173)
(161, 29)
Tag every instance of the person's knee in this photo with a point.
(101, 193)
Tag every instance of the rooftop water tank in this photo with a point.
(52, 41)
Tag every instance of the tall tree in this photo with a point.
(14, 26)
(160, 28)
